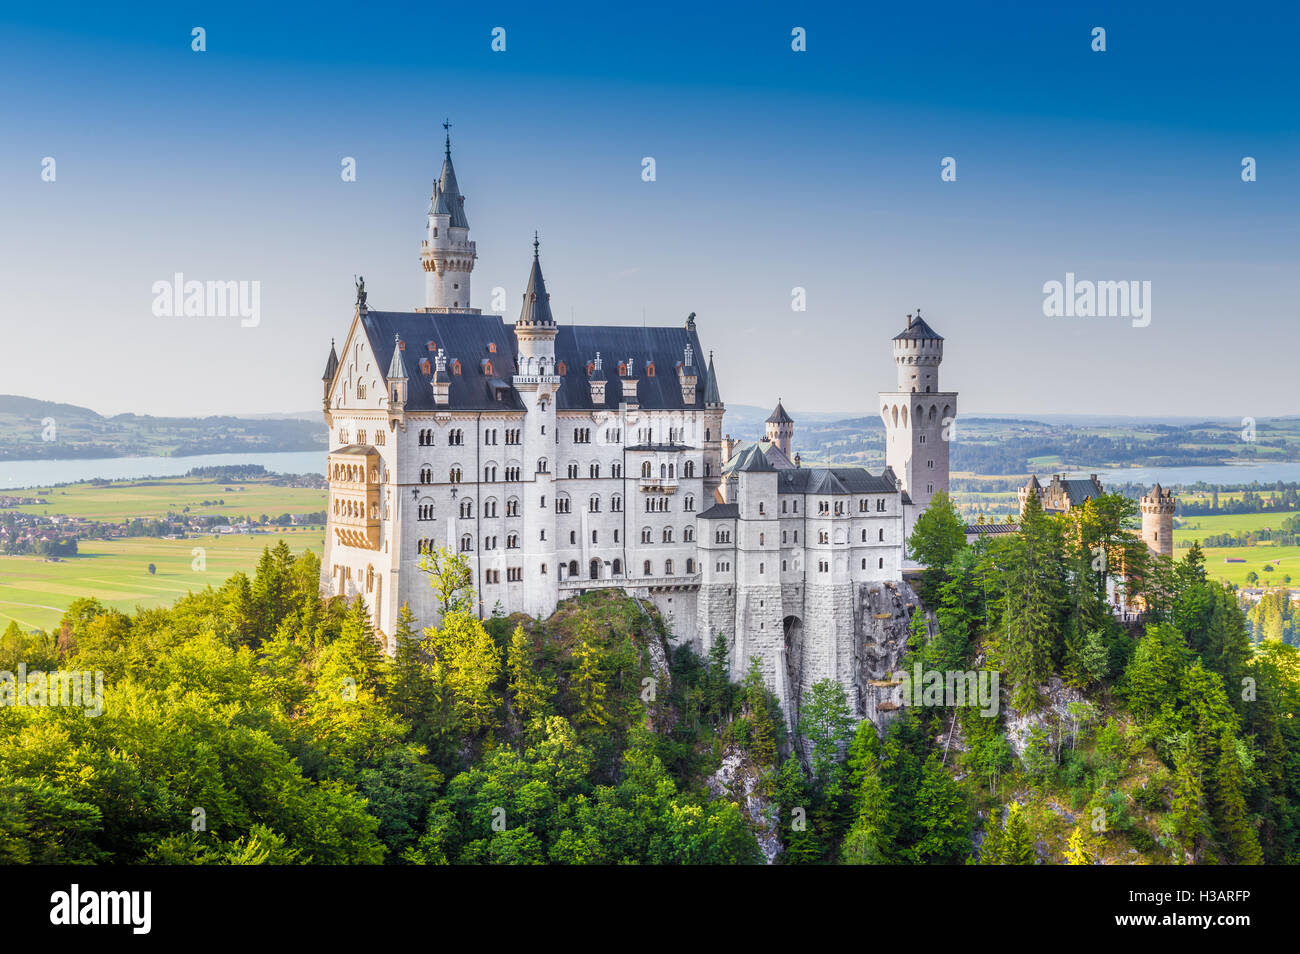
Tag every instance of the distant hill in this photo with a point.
(32, 429)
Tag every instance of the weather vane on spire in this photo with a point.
(535, 243)
(446, 125)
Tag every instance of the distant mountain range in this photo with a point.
(32, 429)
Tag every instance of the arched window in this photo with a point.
(647, 569)
(573, 568)
(645, 469)
(618, 567)
(690, 567)
(688, 534)
(668, 567)
(455, 474)
(426, 474)
(466, 543)
(668, 534)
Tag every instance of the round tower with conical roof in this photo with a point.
(1158, 520)
(446, 253)
(780, 429)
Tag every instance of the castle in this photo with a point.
(1061, 494)
(561, 459)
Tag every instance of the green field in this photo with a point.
(1197, 527)
(35, 592)
(122, 500)
(1256, 558)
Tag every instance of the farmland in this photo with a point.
(35, 592)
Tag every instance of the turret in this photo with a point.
(331, 368)
(396, 381)
(918, 351)
(446, 253)
(780, 429)
(1158, 520)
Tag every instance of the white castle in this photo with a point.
(562, 459)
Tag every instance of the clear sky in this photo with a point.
(775, 169)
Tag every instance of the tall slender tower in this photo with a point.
(918, 416)
(446, 253)
(1158, 520)
(537, 384)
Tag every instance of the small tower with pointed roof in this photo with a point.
(1158, 520)
(396, 381)
(446, 253)
(331, 368)
(780, 429)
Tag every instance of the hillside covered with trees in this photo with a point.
(260, 723)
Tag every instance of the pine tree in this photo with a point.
(1079, 852)
(1033, 586)
(762, 730)
(1229, 805)
(529, 690)
(589, 688)
(1017, 840)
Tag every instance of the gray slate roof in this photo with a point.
(711, 395)
(464, 336)
(917, 329)
(779, 416)
(575, 345)
(448, 199)
(834, 480)
(721, 511)
(537, 301)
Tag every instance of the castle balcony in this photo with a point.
(634, 585)
(354, 499)
(658, 485)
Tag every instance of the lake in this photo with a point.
(41, 473)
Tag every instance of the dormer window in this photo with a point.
(650, 369)
(561, 369)
(455, 366)
(492, 347)
(424, 365)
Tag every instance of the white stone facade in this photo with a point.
(560, 459)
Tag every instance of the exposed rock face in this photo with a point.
(883, 625)
(1053, 718)
(738, 780)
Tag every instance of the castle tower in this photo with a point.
(780, 429)
(537, 384)
(446, 253)
(918, 416)
(1158, 521)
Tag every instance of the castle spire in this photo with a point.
(447, 254)
(711, 395)
(537, 301)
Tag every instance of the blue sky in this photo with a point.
(775, 169)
